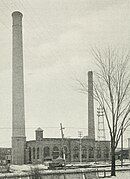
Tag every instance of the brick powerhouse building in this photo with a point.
(43, 149)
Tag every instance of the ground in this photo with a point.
(121, 175)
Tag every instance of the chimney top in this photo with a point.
(90, 72)
(17, 13)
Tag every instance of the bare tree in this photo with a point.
(112, 92)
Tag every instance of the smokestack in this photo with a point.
(18, 116)
(91, 125)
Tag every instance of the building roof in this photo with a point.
(39, 129)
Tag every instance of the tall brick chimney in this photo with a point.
(18, 116)
(91, 124)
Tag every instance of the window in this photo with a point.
(84, 152)
(98, 152)
(33, 152)
(38, 153)
(55, 152)
(29, 154)
(46, 152)
(91, 152)
(106, 153)
(76, 153)
(65, 152)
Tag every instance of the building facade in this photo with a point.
(5, 156)
(44, 149)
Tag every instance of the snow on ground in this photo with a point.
(26, 168)
(121, 175)
(100, 166)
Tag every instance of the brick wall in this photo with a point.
(90, 150)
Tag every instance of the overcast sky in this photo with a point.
(57, 37)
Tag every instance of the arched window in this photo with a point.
(55, 152)
(106, 153)
(33, 152)
(65, 151)
(98, 152)
(38, 153)
(30, 159)
(84, 152)
(91, 152)
(76, 153)
(46, 151)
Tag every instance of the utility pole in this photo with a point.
(122, 146)
(80, 145)
(63, 150)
